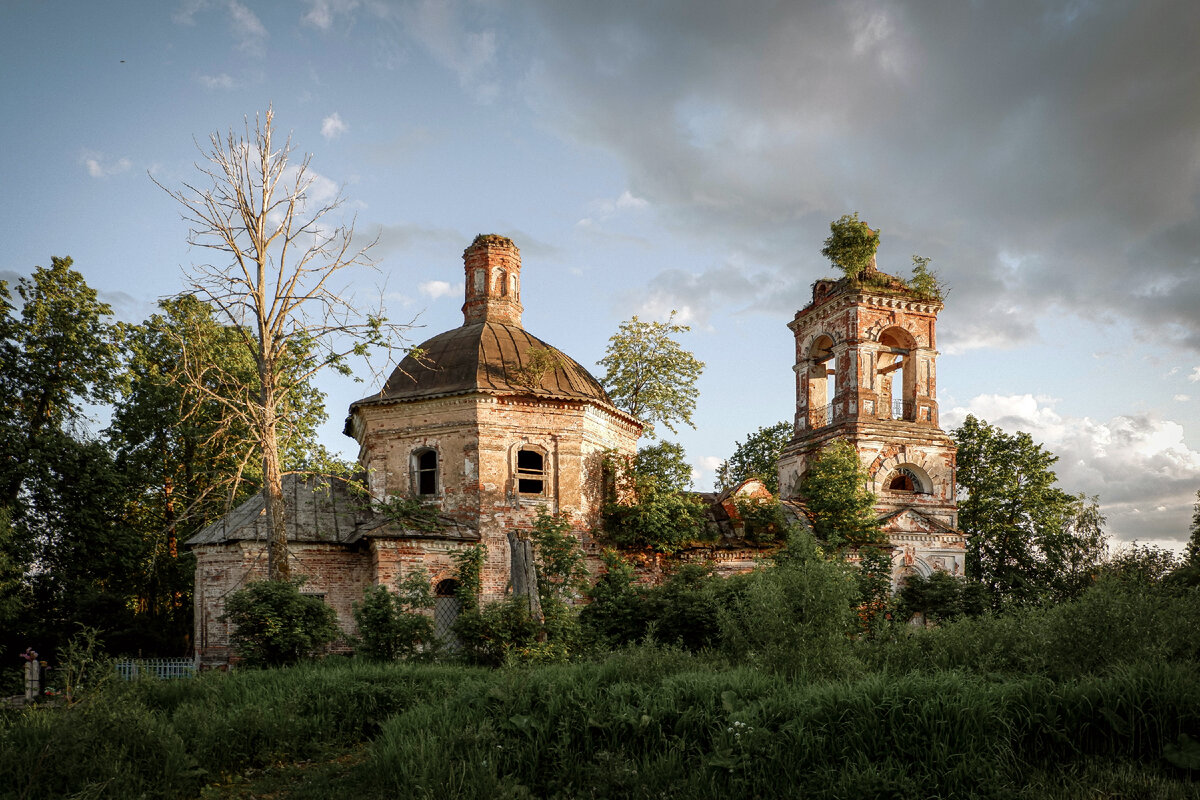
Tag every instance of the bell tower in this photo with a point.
(493, 281)
(866, 372)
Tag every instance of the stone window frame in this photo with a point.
(415, 471)
(921, 483)
(546, 472)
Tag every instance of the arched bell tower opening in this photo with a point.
(897, 375)
(866, 356)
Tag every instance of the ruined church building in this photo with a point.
(486, 431)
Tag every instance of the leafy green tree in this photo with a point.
(649, 375)
(1187, 573)
(1140, 565)
(757, 457)
(279, 290)
(84, 556)
(851, 245)
(1027, 540)
(663, 521)
(14, 589)
(842, 507)
(618, 613)
(647, 509)
(562, 577)
(666, 464)
(274, 624)
(795, 617)
(186, 457)
(59, 355)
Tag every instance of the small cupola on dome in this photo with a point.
(493, 281)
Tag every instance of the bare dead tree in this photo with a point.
(279, 288)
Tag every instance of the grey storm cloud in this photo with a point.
(1044, 154)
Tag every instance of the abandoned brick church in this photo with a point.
(492, 423)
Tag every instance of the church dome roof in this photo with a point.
(488, 357)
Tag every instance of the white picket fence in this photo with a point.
(161, 668)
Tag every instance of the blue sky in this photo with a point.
(685, 155)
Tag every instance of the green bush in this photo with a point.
(498, 633)
(274, 624)
(794, 617)
(661, 520)
(391, 625)
(618, 613)
(646, 508)
(941, 597)
(762, 520)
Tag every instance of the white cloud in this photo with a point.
(1182, 398)
(436, 289)
(98, 167)
(186, 11)
(322, 13)
(600, 210)
(222, 81)
(332, 126)
(470, 54)
(1195, 376)
(1139, 464)
(740, 126)
(247, 28)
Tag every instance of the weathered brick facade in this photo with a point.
(866, 372)
(487, 424)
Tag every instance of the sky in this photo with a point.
(683, 155)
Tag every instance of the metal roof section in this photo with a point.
(319, 509)
(488, 357)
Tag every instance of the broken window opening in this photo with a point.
(822, 377)
(897, 376)
(905, 480)
(531, 472)
(425, 472)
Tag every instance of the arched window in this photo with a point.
(502, 282)
(424, 468)
(531, 472)
(906, 480)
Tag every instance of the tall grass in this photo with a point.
(1106, 689)
(567, 732)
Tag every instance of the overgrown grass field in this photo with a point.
(1095, 698)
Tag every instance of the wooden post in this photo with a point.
(524, 574)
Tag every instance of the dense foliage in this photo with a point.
(392, 625)
(835, 490)
(649, 375)
(1096, 697)
(92, 522)
(273, 623)
(1028, 541)
(757, 457)
(646, 507)
(851, 245)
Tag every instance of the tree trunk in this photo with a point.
(524, 574)
(278, 568)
